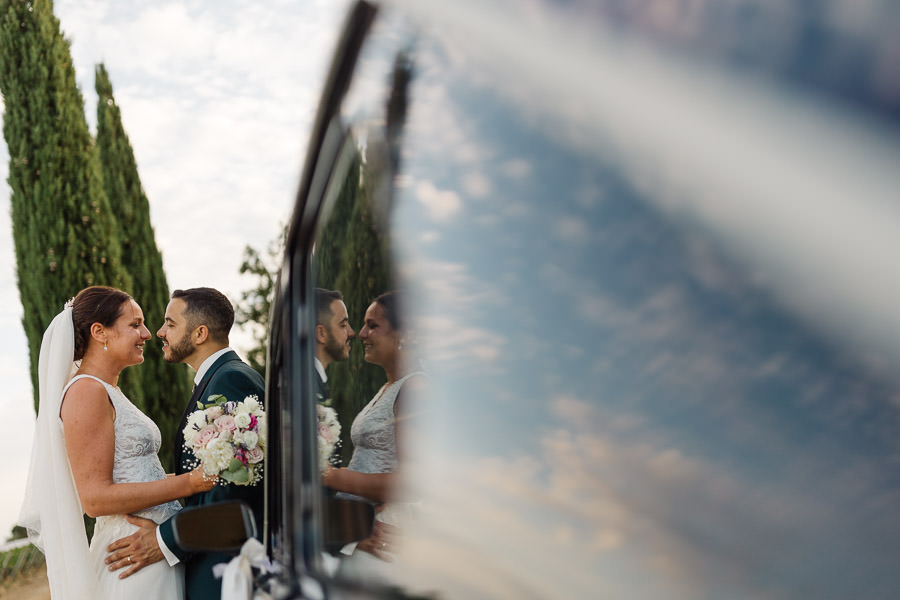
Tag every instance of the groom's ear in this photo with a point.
(200, 334)
(320, 334)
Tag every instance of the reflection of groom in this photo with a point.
(333, 335)
(195, 332)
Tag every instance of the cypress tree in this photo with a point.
(64, 232)
(164, 388)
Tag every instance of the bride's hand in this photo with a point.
(328, 476)
(201, 482)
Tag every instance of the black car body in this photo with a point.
(653, 256)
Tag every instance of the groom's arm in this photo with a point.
(136, 551)
(165, 538)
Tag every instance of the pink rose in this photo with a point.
(225, 423)
(325, 433)
(214, 412)
(254, 455)
(204, 436)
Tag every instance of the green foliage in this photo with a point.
(255, 306)
(352, 257)
(17, 533)
(161, 389)
(18, 561)
(64, 232)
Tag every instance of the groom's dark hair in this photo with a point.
(324, 299)
(210, 307)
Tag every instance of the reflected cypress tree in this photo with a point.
(64, 233)
(164, 388)
(352, 258)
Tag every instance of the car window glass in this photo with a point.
(622, 401)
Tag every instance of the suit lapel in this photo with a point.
(322, 395)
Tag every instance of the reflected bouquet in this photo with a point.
(329, 435)
(228, 438)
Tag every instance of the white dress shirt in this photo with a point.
(321, 369)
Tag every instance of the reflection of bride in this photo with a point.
(94, 452)
(377, 430)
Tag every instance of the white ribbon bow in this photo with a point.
(237, 575)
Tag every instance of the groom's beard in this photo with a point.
(335, 350)
(179, 352)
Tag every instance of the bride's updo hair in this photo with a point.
(95, 304)
(392, 305)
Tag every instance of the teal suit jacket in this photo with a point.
(234, 379)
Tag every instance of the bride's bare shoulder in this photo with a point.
(86, 395)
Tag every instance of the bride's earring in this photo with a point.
(105, 348)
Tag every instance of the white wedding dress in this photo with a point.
(51, 511)
(136, 460)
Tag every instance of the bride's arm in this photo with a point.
(90, 443)
(379, 487)
(374, 486)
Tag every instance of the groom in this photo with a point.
(195, 332)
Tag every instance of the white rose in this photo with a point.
(196, 420)
(207, 461)
(189, 434)
(249, 439)
(220, 454)
(242, 420)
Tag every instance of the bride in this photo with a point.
(94, 452)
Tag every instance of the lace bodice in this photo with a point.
(137, 444)
(372, 432)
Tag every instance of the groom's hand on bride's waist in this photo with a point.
(135, 551)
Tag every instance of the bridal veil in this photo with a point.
(51, 511)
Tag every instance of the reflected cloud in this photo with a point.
(516, 168)
(655, 386)
(786, 181)
(476, 184)
(454, 342)
(665, 522)
(442, 205)
(572, 230)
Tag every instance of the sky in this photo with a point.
(217, 98)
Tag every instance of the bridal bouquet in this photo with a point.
(228, 438)
(329, 435)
